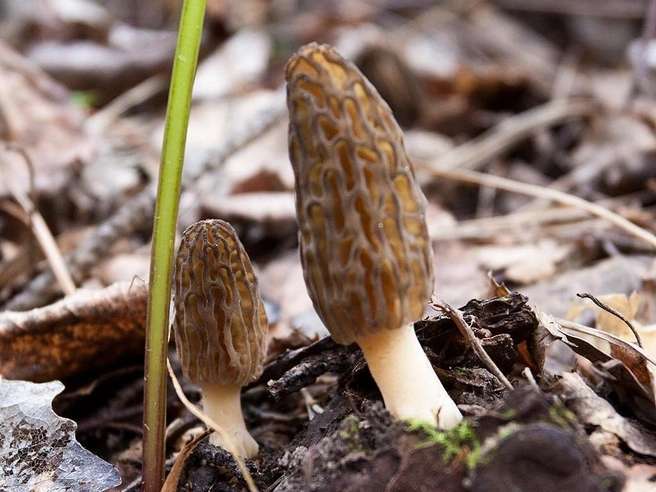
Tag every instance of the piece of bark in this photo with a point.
(500, 323)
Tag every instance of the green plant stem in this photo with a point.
(164, 226)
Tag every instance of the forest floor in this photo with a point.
(532, 127)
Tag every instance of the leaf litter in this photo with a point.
(495, 94)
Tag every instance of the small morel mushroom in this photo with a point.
(366, 256)
(220, 324)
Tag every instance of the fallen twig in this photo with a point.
(505, 225)
(466, 331)
(466, 176)
(479, 151)
(37, 223)
(607, 308)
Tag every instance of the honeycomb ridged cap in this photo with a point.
(220, 324)
(364, 245)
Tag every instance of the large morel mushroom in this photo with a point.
(366, 255)
(220, 324)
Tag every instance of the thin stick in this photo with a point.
(213, 425)
(38, 225)
(572, 326)
(522, 222)
(481, 179)
(101, 119)
(479, 151)
(458, 318)
(617, 314)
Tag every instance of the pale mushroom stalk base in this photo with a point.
(406, 379)
(222, 404)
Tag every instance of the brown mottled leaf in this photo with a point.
(622, 343)
(627, 367)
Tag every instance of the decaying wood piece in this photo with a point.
(501, 323)
(468, 334)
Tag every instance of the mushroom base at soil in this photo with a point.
(222, 404)
(406, 379)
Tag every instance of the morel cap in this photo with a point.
(364, 244)
(220, 324)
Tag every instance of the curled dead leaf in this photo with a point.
(85, 331)
(595, 410)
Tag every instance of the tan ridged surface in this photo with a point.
(220, 324)
(363, 238)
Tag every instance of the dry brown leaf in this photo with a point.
(525, 263)
(109, 68)
(171, 483)
(37, 115)
(627, 306)
(223, 117)
(594, 410)
(542, 350)
(240, 60)
(627, 371)
(609, 323)
(83, 332)
(615, 155)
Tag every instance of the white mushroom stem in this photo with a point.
(222, 404)
(406, 379)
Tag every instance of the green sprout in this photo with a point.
(452, 441)
(164, 226)
(561, 415)
(352, 425)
